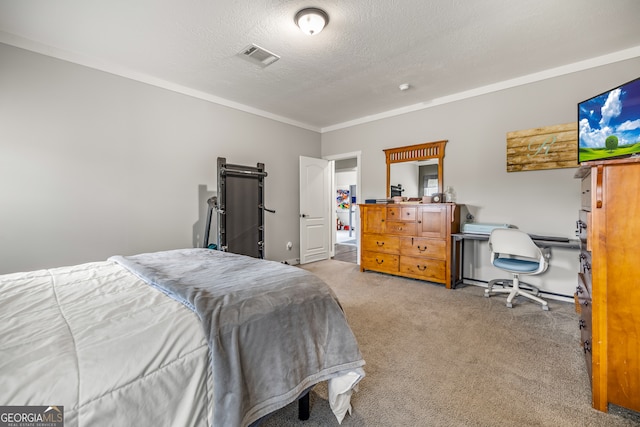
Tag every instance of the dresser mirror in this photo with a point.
(415, 171)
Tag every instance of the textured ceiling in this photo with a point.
(348, 72)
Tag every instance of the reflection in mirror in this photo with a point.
(414, 179)
(415, 171)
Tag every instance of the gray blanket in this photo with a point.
(273, 330)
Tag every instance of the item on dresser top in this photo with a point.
(437, 198)
(483, 227)
(449, 195)
(378, 201)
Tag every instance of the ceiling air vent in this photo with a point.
(258, 55)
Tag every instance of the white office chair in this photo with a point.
(513, 250)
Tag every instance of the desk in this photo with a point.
(457, 268)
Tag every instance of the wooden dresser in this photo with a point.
(410, 240)
(609, 280)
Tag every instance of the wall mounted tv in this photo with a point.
(609, 124)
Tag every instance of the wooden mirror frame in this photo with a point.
(409, 153)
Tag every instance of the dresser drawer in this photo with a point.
(585, 191)
(422, 247)
(378, 261)
(585, 307)
(585, 270)
(585, 322)
(401, 228)
(381, 243)
(408, 213)
(583, 227)
(402, 213)
(423, 268)
(583, 290)
(394, 213)
(587, 348)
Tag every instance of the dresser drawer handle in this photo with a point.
(379, 261)
(582, 324)
(381, 244)
(586, 303)
(422, 249)
(579, 289)
(586, 346)
(421, 267)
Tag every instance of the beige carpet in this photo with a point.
(438, 357)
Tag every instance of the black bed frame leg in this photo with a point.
(303, 407)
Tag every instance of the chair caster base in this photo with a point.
(507, 288)
(508, 284)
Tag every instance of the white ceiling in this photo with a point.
(348, 73)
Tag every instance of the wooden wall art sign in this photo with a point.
(551, 147)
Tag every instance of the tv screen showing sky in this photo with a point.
(616, 112)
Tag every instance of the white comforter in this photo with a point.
(110, 349)
(62, 332)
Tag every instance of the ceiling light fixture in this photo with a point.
(311, 20)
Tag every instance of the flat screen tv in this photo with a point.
(609, 124)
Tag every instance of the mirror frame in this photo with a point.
(410, 153)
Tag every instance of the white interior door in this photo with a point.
(315, 209)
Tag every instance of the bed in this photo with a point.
(190, 337)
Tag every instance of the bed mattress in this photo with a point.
(114, 347)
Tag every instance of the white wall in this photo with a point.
(92, 165)
(540, 202)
